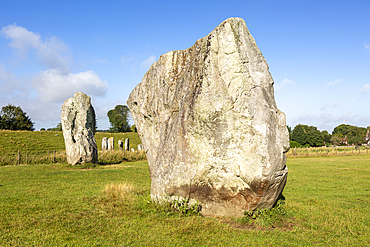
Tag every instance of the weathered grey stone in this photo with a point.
(132, 150)
(120, 145)
(210, 125)
(140, 147)
(78, 124)
(104, 144)
(127, 144)
(111, 144)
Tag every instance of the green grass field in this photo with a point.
(327, 201)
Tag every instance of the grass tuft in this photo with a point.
(266, 218)
(122, 191)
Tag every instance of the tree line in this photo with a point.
(310, 136)
(14, 118)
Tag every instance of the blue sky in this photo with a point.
(318, 52)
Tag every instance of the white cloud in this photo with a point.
(53, 52)
(56, 86)
(41, 95)
(332, 83)
(11, 86)
(21, 38)
(365, 88)
(148, 62)
(285, 83)
(367, 47)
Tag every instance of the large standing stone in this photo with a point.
(78, 123)
(210, 125)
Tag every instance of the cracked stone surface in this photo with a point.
(210, 126)
(78, 124)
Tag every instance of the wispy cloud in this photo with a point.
(284, 84)
(328, 106)
(148, 62)
(332, 83)
(127, 59)
(101, 61)
(21, 38)
(367, 47)
(324, 121)
(365, 88)
(57, 82)
(51, 52)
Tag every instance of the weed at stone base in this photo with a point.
(266, 218)
(184, 207)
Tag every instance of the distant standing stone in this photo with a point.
(132, 150)
(140, 147)
(78, 124)
(127, 144)
(104, 144)
(111, 144)
(120, 145)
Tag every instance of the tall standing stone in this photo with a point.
(111, 144)
(104, 144)
(210, 125)
(78, 124)
(127, 144)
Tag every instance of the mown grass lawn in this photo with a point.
(327, 199)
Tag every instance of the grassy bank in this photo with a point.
(40, 142)
(327, 203)
(45, 147)
(328, 151)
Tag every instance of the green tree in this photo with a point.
(355, 140)
(307, 135)
(294, 144)
(326, 137)
(353, 133)
(14, 118)
(118, 118)
(314, 137)
(58, 128)
(133, 128)
(335, 140)
(299, 134)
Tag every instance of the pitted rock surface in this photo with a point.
(210, 126)
(78, 124)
